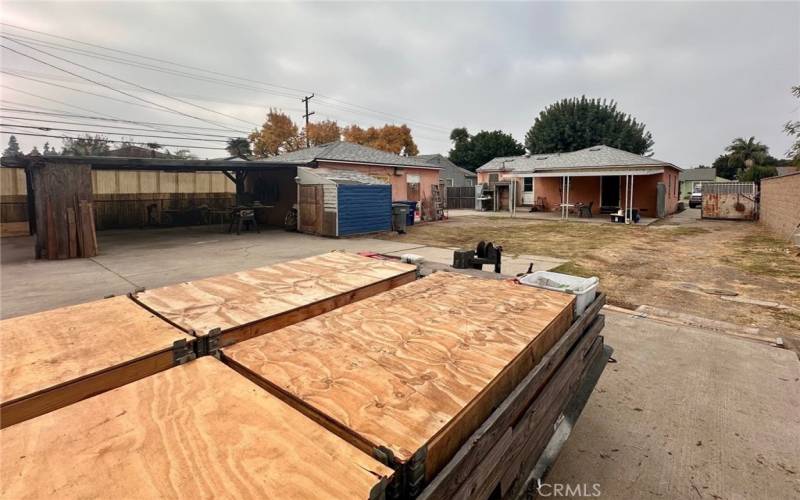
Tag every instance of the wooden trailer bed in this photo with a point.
(250, 303)
(199, 430)
(54, 358)
(409, 374)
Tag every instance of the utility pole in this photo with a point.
(305, 100)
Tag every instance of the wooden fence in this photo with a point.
(125, 198)
(460, 197)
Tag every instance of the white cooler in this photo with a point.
(584, 289)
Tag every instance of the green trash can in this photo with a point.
(399, 211)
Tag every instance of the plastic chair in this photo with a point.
(243, 216)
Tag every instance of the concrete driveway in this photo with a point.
(687, 413)
(156, 257)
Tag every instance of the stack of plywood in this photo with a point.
(409, 374)
(199, 430)
(250, 303)
(372, 389)
(55, 358)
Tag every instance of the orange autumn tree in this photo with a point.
(323, 132)
(391, 138)
(278, 135)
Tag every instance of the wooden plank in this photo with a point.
(93, 228)
(527, 455)
(72, 229)
(87, 225)
(194, 431)
(253, 302)
(52, 241)
(79, 228)
(414, 370)
(459, 469)
(56, 357)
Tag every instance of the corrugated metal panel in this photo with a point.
(105, 182)
(148, 181)
(364, 208)
(168, 182)
(12, 181)
(128, 182)
(748, 188)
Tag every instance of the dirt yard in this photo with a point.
(681, 263)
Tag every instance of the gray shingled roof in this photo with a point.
(346, 151)
(698, 174)
(595, 156)
(443, 161)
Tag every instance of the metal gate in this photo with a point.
(729, 200)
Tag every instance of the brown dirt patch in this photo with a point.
(652, 265)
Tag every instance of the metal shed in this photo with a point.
(342, 202)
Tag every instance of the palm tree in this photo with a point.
(746, 153)
(239, 146)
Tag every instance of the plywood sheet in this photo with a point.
(235, 300)
(421, 365)
(45, 350)
(199, 430)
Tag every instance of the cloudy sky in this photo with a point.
(698, 74)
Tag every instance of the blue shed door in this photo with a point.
(364, 208)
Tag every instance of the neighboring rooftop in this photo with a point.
(355, 153)
(595, 156)
(698, 174)
(444, 162)
(786, 170)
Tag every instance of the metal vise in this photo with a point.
(484, 253)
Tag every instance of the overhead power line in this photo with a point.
(101, 84)
(113, 141)
(48, 129)
(322, 97)
(61, 122)
(43, 77)
(52, 100)
(151, 67)
(118, 120)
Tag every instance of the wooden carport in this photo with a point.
(60, 197)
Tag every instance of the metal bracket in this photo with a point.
(208, 344)
(385, 456)
(415, 475)
(182, 352)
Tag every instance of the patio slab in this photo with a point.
(544, 216)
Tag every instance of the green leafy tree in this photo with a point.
(88, 145)
(472, 151)
(578, 123)
(793, 129)
(13, 147)
(239, 147)
(723, 168)
(755, 173)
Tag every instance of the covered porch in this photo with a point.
(633, 193)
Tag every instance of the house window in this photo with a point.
(494, 177)
(469, 183)
(527, 184)
(449, 182)
(412, 187)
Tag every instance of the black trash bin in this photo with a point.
(412, 206)
(399, 214)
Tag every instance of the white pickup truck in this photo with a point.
(696, 199)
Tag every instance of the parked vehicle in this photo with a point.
(696, 199)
